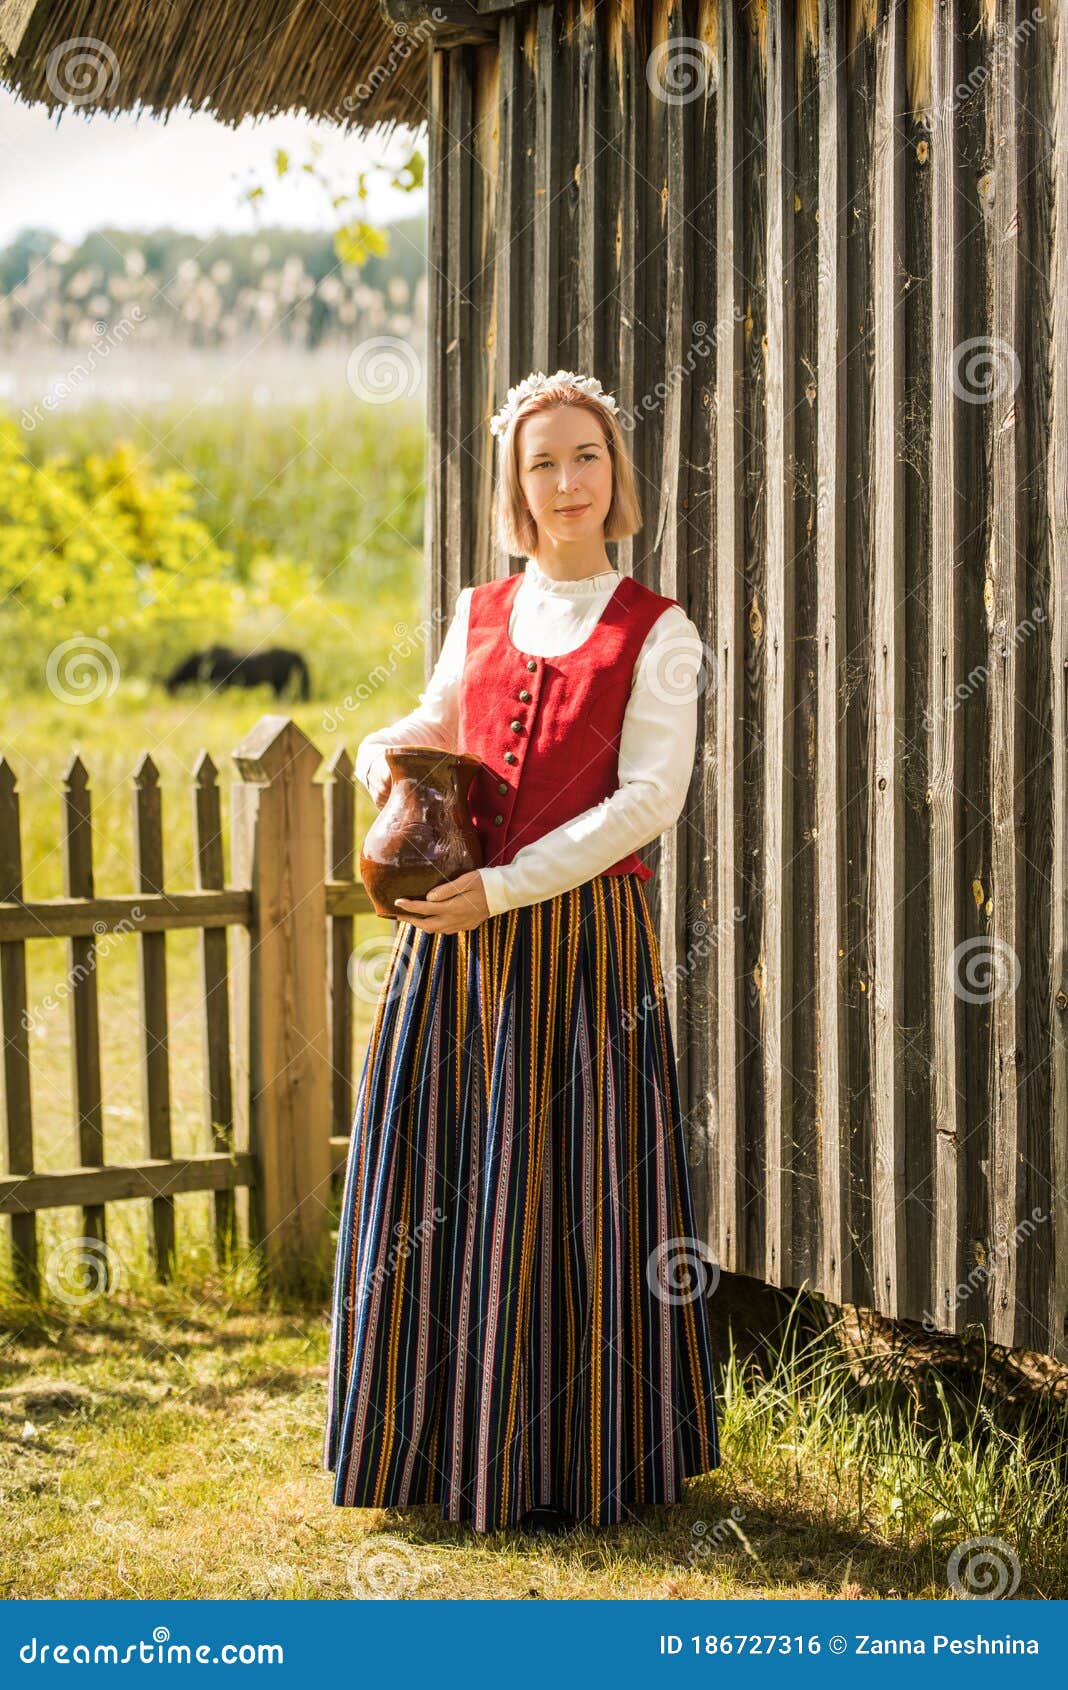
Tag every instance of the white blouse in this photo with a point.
(657, 742)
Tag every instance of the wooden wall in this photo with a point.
(822, 261)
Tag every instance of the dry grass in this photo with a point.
(167, 1443)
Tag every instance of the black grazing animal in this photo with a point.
(226, 668)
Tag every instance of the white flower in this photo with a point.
(534, 382)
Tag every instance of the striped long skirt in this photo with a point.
(519, 1313)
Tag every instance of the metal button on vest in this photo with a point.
(524, 696)
(517, 726)
(502, 786)
(510, 757)
(497, 820)
(531, 663)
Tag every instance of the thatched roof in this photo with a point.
(349, 60)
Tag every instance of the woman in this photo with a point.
(510, 1334)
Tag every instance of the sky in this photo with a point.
(186, 172)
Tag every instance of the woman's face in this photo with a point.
(565, 471)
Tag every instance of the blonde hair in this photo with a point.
(516, 530)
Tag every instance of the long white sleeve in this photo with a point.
(656, 754)
(657, 740)
(436, 721)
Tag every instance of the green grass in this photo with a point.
(166, 1442)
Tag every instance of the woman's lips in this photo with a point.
(572, 510)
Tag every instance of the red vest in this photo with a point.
(547, 728)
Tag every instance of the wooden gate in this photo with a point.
(278, 1094)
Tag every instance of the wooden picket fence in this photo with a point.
(277, 1119)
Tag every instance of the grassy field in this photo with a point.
(167, 1444)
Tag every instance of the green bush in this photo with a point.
(112, 565)
(105, 548)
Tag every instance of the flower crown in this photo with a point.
(534, 383)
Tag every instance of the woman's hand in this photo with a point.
(452, 907)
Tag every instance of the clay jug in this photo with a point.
(423, 835)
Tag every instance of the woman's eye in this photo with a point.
(585, 457)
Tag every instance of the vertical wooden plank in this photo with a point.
(729, 1123)
(801, 303)
(918, 563)
(706, 927)
(630, 236)
(512, 223)
(945, 754)
(673, 315)
(1058, 619)
(152, 980)
(547, 140)
(436, 601)
(84, 1012)
(595, 324)
(887, 928)
(752, 186)
(859, 541)
(652, 284)
(214, 975)
(483, 153)
(836, 1275)
(1033, 1238)
(566, 67)
(14, 1023)
(1003, 601)
(278, 850)
(965, 968)
(777, 894)
(460, 350)
(627, 50)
